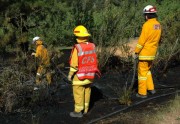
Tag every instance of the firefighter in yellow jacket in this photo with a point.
(83, 66)
(43, 62)
(146, 49)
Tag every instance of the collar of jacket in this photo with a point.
(153, 19)
(38, 42)
(81, 41)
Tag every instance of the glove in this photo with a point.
(69, 78)
(135, 56)
(33, 54)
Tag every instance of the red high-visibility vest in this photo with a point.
(87, 61)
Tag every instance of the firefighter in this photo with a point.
(43, 62)
(146, 49)
(83, 67)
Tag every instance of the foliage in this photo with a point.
(125, 96)
(110, 22)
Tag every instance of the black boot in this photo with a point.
(141, 96)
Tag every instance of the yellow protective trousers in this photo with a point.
(41, 72)
(82, 95)
(145, 81)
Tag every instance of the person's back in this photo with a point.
(146, 49)
(149, 39)
(43, 62)
(83, 67)
(42, 54)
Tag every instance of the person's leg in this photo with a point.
(39, 75)
(150, 84)
(142, 77)
(87, 97)
(48, 77)
(78, 93)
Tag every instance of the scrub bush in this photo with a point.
(110, 23)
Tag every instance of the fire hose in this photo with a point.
(134, 73)
(62, 73)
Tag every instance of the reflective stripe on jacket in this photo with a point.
(148, 41)
(87, 61)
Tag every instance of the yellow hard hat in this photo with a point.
(81, 31)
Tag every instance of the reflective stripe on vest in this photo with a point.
(80, 53)
(86, 74)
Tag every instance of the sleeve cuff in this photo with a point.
(73, 69)
(138, 48)
(36, 55)
(71, 73)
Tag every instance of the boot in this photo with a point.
(141, 96)
(152, 91)
(76, 114)
(85, 111)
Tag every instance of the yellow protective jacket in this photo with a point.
(74, 69)
(149, 39)
(42, 54)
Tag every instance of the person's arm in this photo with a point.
(142, 39)
(73, 64)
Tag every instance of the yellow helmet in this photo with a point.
(81, 31)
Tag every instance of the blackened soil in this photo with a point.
(58, 103)
(102, 103)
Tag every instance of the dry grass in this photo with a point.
(125, 96)
(160, 114)
(127, 49)
(121, 50)
(168, 115)
(124, 118)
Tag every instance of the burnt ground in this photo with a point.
(103, 102)
(137, 114)
(54, 108)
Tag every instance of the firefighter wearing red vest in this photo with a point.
(83, 67)
(146, 49)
